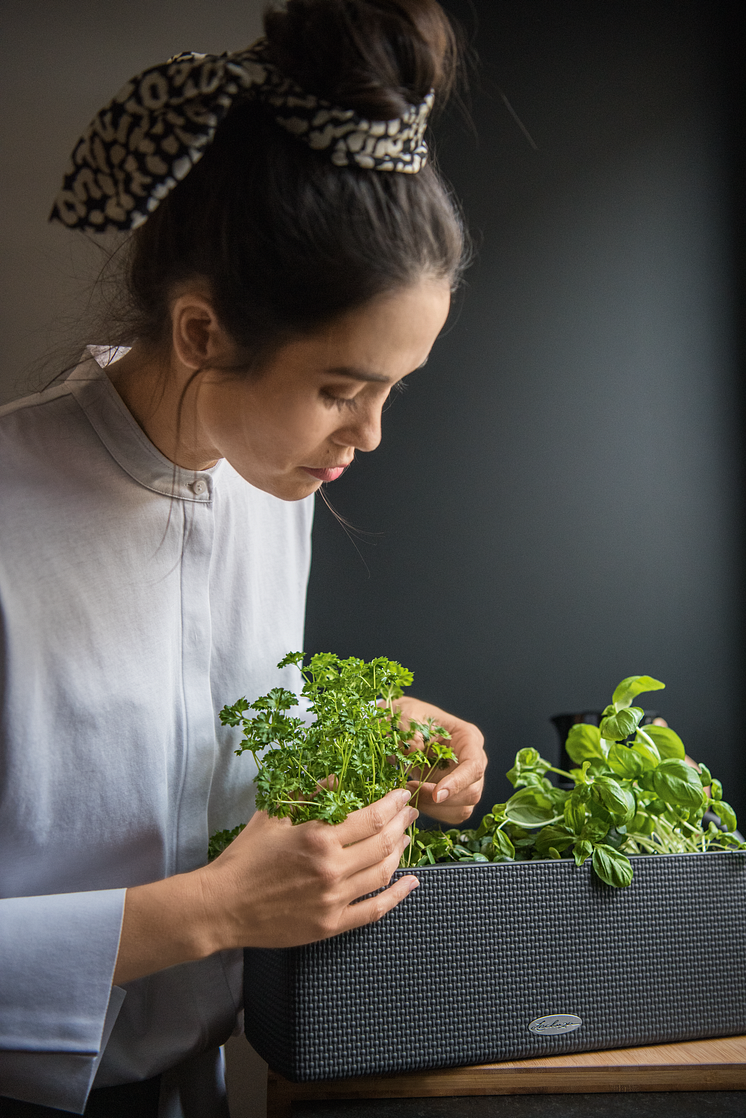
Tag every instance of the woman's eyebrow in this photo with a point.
(358, 374)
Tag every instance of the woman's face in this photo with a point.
(299, 422)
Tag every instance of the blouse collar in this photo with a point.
(123, 437)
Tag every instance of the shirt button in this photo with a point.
(198, 487)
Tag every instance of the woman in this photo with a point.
(291, 263)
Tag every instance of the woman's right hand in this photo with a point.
(276, 885)
(279, 885)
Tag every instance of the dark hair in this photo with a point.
(285, 239)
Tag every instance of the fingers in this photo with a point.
(456, 809)
(424, 794)
(466, 780)
(464, 783)
(376, 869)
(368, 912)
(390, 842)
(372, 820)
(467, 742)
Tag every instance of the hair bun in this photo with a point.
(377, 57)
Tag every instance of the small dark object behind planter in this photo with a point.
(457, 973)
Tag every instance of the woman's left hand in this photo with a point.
(453, 798)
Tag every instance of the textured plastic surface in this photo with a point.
(457, 972)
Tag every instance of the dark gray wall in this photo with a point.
(556, 503)
(60, 61)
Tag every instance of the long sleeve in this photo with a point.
(136, 599)
(57, 1006)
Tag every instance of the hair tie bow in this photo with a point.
(151, 134)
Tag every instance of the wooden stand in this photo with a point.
(697, 1065)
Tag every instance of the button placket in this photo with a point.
(198, 756)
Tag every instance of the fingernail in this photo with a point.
(405, 795)
(442, 795)
(413, 814)
(415, 885)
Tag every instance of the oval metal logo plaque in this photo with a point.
(555, 1024)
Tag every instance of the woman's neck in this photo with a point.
(156, 391)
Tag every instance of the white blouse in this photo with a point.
(136, 599)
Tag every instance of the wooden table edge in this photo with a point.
(620, 1070)
(594, 1072)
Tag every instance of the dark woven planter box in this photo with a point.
(458, 972)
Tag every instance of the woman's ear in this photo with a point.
(198, 338)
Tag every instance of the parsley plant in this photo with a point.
(356, 749)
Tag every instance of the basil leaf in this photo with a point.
(677, 783)
(716, 790)
(617, 837)
(530, 759)
(574, 812)
(557, 838)
(529, 808)
(584, 743)
(618, 801)
(669, 743)
(727, 815)
(705, 775)
(642, 824)
(619, 726)
(648, 751)
(595, 829)
(503, 845)
(461, 850)
(582, 850)
(633, 686)
(485, 827)
(624, 761)
(611, 866)
(528, 768)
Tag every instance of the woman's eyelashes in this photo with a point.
(331, 399)
(396, 390)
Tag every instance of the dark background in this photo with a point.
(556, 503)
(557, 499)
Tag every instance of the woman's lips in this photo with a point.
(329, 474)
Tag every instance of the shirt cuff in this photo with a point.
(57, 1006)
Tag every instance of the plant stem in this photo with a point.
(560, 772)
(646, 841)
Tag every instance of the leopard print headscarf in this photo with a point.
(137, 149)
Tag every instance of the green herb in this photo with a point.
(631, 793)
(355, 751)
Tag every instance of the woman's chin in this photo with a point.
(293, 486)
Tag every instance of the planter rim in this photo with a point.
(567, 861)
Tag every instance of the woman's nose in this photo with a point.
(364, 432)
